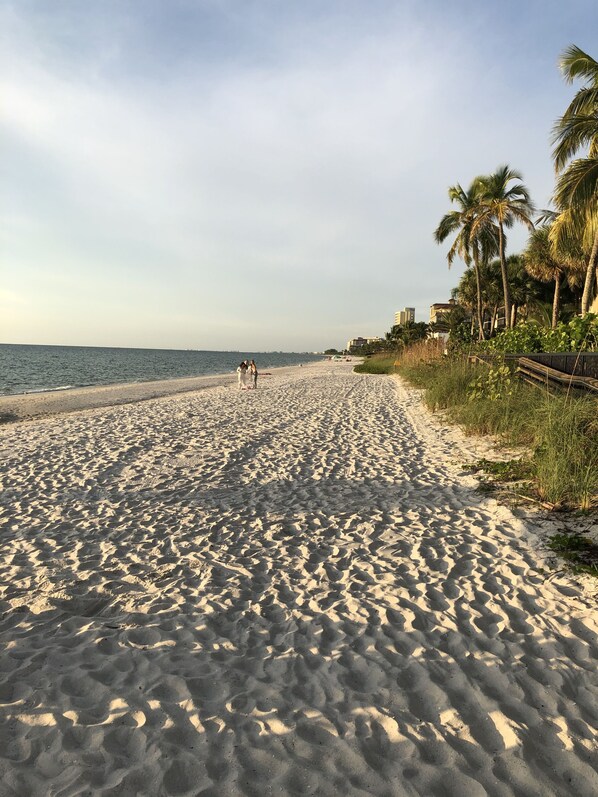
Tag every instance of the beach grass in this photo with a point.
(559, 431)
(566, 458)
(377, 364)
(415, 356)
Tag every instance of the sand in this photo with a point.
(24, 407)
(292, 591)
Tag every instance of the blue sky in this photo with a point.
(257, 175)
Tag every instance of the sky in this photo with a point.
(257, 174)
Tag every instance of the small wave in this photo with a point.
(48, 389)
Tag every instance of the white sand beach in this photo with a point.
(289, 591)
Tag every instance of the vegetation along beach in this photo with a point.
(239, 557)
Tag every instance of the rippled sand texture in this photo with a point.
(294, 591)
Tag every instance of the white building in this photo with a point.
(405, 316)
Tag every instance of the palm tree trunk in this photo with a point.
(478, 286)
(513, 314)
(556, 302)
(493, 320)
(586, 298)
(505, 278)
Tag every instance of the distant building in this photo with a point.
(405, 316)
(356, 343)
(438, 314)
(439, 310)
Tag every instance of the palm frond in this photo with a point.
(572, 134)
(575, 63)
(546, 217)
(449, 223)
(571, 236)
(521, 213)
(488, 240)
(583, 103)
(457, 194)
(577, 187)
(495, 189)
(505, 174)
(458, 249)
(518, 193)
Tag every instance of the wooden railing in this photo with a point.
(539, 374)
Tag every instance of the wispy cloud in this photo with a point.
(291, 173)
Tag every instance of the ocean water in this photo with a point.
(29, 369)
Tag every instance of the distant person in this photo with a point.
(242, 375)
(253, 374)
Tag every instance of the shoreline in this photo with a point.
(21, 407)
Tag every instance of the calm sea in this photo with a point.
(28, 369)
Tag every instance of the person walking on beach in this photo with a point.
(253, 374)
(242, 375)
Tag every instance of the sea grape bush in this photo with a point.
(492, 384)
(522, 339)
(579, 334)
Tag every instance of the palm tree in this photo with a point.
(541, 264)
(577, 184)
(468, 246)
(493, 291)
(542, 261)
(503, 204)
(526, 291)
(466, 295)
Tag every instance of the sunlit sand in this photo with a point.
(294, 590)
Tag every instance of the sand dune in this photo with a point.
(292, 591)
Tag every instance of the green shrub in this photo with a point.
(580, 552)
(510, 470)
(579, 334)
(494, 384)
(568, 543)
(522, 339)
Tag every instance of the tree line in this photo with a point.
(562, 248)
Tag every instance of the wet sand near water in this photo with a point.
(26, 406)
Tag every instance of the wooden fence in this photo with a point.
(572, 371)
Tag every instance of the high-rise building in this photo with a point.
(405, 316)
